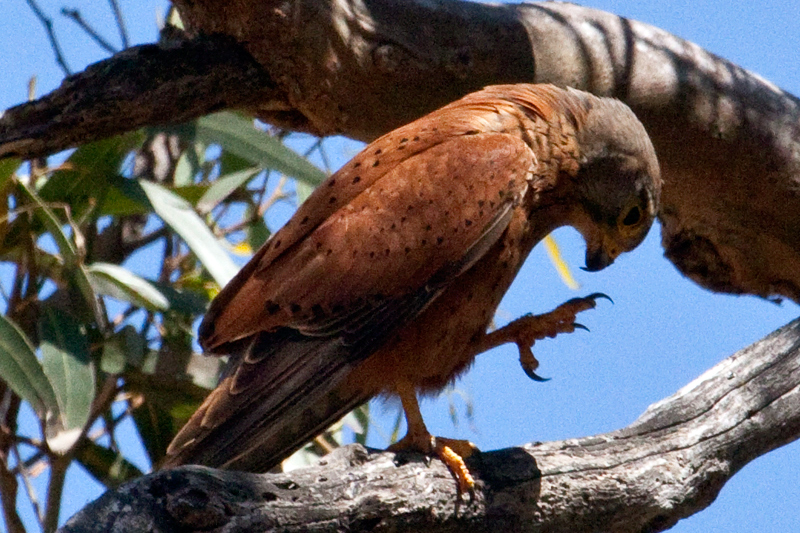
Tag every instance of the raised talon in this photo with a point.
(533, 375)
(529, 363)
(598, 295)
(526, 330)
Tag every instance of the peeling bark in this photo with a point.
(667, 465)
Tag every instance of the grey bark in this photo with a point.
(667, 465)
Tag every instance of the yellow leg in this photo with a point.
(526, 330)
(451, 451)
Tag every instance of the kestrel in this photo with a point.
(386, 279)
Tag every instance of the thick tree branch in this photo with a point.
(667, 465)
(728, 141)
(164, 83)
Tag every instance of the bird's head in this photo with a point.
(618, 183)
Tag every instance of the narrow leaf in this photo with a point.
(257, 234)
(302, 191)
(125, 197)
(53, 225)
(7, 169)
(68, 251)
(21, 370)
(182, 301)
(184, 170)
(83, 180)
(239, 136)
(223, 187)
(125, 347)
(122, 284)
(67, 364)
(180, 216)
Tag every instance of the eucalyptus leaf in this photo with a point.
(178, 214)
(223, 187)
(7, 169)
(53, 225)
(184, 170)
(21, 370)
(123, 348)
(239, 136)
(67, 364)
(83, 180)
(302, 191)
(122, 284)
(72, 261)
(182, 301)
(257, 233)
(125, 197)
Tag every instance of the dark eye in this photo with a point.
(633, 217)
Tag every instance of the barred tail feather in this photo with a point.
(280, 392)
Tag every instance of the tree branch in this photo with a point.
(728, 141)
(148, 85)
(667, 465)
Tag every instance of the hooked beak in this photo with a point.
(597, 258)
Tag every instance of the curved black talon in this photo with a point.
(598, 295)
(580, 326)
(534, 376)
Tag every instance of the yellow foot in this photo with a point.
(452, 453)
(526, 330)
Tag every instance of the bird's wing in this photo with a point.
(387, 241)
(331, 299)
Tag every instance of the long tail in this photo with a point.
(281, 391)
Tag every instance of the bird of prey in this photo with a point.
(386, 279)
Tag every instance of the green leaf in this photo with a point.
(182, 301)
(230, 163)
(125, 197)
(239, 136)
(85, 174)
(21, 370)
(257, 233)
(7, 169)
(67, 364)
(302, 191)
(122, 284)
(178, 214)
(185, 170)
(155, 426)
(126, 347)
(107, 466)
(223, 187)
(164, 405)
(53, 225)
(72, 261)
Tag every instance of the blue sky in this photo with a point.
(662, 331)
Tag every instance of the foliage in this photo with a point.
(109, 259)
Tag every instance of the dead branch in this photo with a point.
(667, 465)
